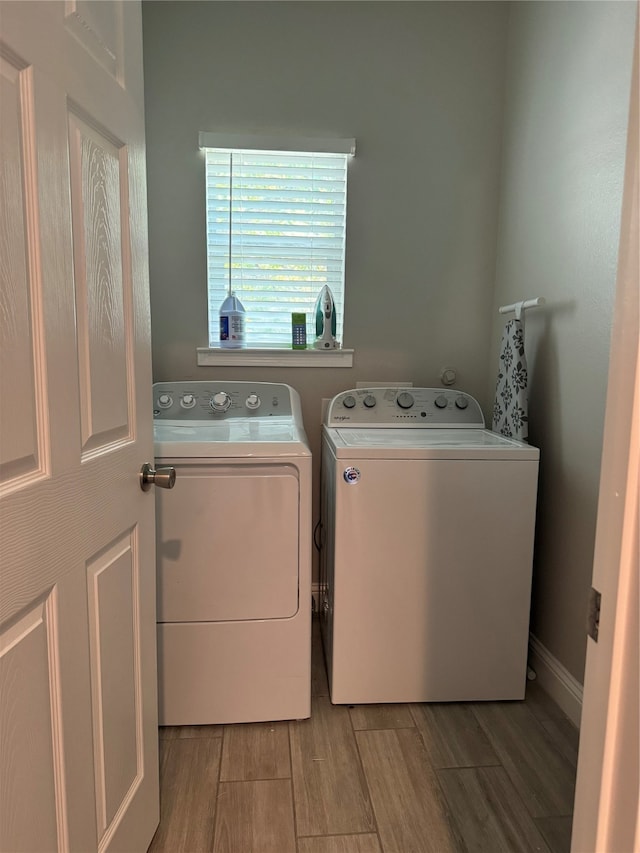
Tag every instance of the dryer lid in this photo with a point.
(263, 437)
(239, 430)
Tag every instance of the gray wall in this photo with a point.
(569, 74)
(421, 86)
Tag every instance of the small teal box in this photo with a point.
(298, 330)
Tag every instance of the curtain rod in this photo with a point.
(519, 307)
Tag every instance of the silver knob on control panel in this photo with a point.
(405, 400)
(164, 401)
(441, 402)
(369, 401)
(187, 401)
(349, 401)
(462, 402)
(252, 401)
(220, 402)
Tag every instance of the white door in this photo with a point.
(78, 738)
(607, 807)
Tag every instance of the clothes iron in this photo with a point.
(325, 312)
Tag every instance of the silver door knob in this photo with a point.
(165, 478)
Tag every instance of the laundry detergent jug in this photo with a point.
(232, 317)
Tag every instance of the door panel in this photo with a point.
(22, 450)
(30, 782)
(114, 627)
(98, 27)
(99, 205)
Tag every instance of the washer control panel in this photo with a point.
(220, 400)
(404, 407)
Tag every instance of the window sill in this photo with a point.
(217, 357)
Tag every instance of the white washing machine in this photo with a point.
(233, 553)
(428, 526)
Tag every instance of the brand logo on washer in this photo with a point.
(351, 475)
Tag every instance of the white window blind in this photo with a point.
(276, 227)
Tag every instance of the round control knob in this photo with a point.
(349, 402)
(220, 402)
(441, 402)
(252, 401)
(369, 401)
(164, 401)
(462, 402)
(405, 400)
(188, 401)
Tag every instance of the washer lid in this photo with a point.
(427, 444)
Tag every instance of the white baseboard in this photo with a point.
(558, 682)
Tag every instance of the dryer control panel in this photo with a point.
(201, 400)
(404, 407)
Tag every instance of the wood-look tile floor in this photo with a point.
(473, 778)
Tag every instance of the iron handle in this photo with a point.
(164, 478)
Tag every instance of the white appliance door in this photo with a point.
(227, 542)
(432, 580)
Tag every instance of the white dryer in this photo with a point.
(428, 526)
(233, 553)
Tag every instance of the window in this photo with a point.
(276, 226)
